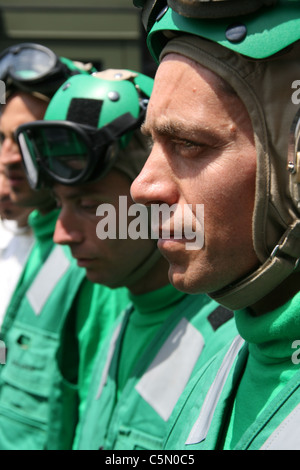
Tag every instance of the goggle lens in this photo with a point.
(26, 63)
(61, 152)
(32, 64)
(70, 153)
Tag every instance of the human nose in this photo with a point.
(156, 182)
(67, 230)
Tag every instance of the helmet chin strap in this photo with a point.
(277, 268)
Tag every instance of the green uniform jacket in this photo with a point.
(45, 330)
(202, 415)
(196, 330)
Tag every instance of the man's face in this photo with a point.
(20, 109)
(107, 261)
(203, 153)
(9, 210)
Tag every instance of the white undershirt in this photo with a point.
(15, 246)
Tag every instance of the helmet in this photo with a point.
(212, 9)
(36, 69)
(257, 53)
(216, 9)
(87, 128)
(258, 36)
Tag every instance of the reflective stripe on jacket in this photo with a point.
(140, 418)
(36, 401)
(201, 419)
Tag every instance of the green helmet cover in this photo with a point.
(119, 91)
(257, 35)
(79, 67)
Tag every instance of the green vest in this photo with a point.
(39, 396)
(195, 331)
(205, 415)
(199, 425)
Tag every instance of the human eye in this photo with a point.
(148, 138)
(58, 203)
(89, 205)
(56, 199)
(187, 148)
(149, 143)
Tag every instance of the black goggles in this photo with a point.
(151, 10)
(214, 9)
(33, 67)
(68, 153)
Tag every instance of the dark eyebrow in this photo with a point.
(171, 129)
(174, 129)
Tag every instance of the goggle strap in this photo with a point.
(117, 128)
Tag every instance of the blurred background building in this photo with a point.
(106, 32)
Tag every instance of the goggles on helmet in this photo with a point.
(33, 67)
(199, 8)
(150, 11)
(217, 8)
(68, 153)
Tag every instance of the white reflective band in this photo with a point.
(30, 168)
(286, 436)
(165, 379)
(52, 271)
(202, 425)
(110, 354)
(2, 353)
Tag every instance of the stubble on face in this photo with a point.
(204, 138)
